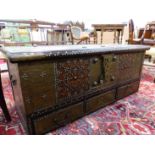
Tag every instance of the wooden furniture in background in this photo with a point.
(145, 37)
(32, 32)
(78, 36)
(77, 23)
(118, 30)
(64, 31)
(55, 85)
(60, 35)
(86, 35)
(150, 31)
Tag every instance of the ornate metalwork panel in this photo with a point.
(130, 66)
(38, 85)
(72, 79)
(103, 70)
(111, 69)
(96, 71)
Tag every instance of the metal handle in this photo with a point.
(95, 83)
(75, 77)
(95, 60)
(112, 78)
(114, 58)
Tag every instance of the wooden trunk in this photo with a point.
(54, 85)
